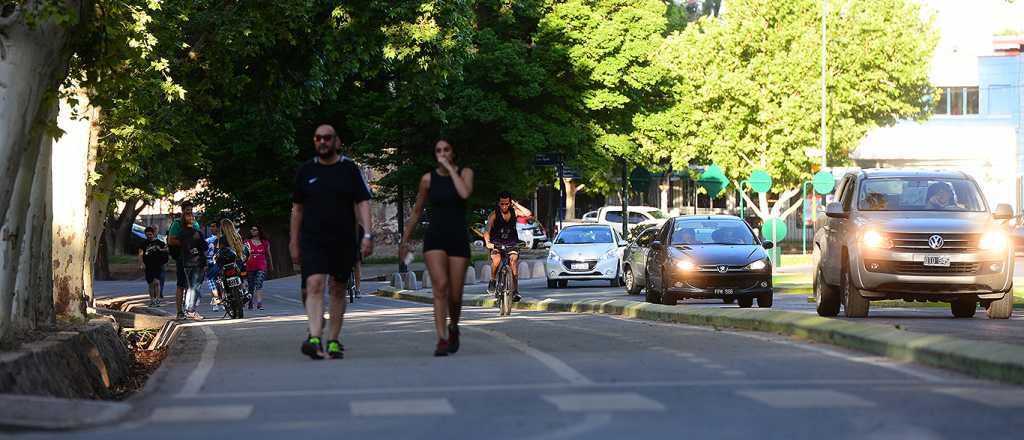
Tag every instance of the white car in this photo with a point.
(532, 233)
(585, 253)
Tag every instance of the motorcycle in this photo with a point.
(230, 282)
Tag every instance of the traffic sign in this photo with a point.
(823, 182)
(713, 180)
(774, 229)
(760, 181)
(547, 159)
(570, 173)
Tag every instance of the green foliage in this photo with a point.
(746, 88)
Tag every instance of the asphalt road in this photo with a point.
(538, 375)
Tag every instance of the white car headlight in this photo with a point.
(758, 265)
(612, 253)
(553, 256)
(686, 265)
(993, 241)
(875, 239)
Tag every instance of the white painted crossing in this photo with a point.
(207, 413)
(603, 402)
(804, 398)
(402, 407)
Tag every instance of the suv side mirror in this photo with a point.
(1003, 212)
(767, 244)
(835, 210)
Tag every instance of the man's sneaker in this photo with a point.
(491, 286)
(259, 306)
(194, 315)
(181, 315)
(515, 297)
(442, 348)
(334, 350)
(311, 347)
(453, 338)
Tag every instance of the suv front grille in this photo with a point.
(918, 242)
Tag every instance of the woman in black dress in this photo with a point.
(446, 243)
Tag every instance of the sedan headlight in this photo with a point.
(874, 239)
(612, 253)
(993, 241)
(758, 265)
(553, 256)
(686, 265)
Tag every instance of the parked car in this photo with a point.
(612, 215)
(584, 253)
(634, 260)
(917, 236)
(532, 232)
(709, 257)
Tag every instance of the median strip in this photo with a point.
(988, 360)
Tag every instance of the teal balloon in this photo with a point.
(778, 225)
(760, 181)
(713, 180)
(823, 182)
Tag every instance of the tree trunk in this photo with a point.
(101, 269)
(279, 253)
(33, 62)
(122, 227)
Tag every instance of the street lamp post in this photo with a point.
(824, 58)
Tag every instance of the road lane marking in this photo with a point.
(195, 381)
(407, 407)
(191, 413)
(602, 402)
(733, 373)
(797, 399)
(708, 383)
(1010, 398)
(554, 364)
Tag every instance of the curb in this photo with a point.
(987, 360)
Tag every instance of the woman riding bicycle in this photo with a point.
(501, 233)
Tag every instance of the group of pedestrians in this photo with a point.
(195, 262)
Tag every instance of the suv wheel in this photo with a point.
(1001, 308)
(855, 305)
(632, 287)
(826, 296)
(963, 308)
(745, 301)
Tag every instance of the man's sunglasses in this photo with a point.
(325, 138)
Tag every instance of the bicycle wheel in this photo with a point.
(506, 294)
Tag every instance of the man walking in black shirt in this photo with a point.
(329, 194)
(153, 255)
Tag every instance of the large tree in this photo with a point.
(747, 90)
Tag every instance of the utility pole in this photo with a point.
(625, 199)
(402, 268)
(824, 94)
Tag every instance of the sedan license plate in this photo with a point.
(936, 260)
(580, 266)
(234, 282)
(724, 291)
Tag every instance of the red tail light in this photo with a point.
(230, 272)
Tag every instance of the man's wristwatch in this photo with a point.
(368, 237)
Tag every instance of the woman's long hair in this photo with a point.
(227, 229)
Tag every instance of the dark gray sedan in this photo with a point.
(634, 259)
(709, 257)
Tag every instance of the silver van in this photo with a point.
(916, 236)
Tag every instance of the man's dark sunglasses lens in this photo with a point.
(325, 138)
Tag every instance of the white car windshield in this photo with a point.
(919, 194)
(585, 235)
(711, 232)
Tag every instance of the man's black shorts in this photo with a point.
(327, 257)
(181, 282)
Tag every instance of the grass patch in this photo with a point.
(792, 279)
(124, 259)
(796, 260)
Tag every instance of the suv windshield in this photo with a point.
(711, 232)
(657, 214)
(919, 194)
(585, 235)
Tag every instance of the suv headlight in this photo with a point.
(758, 265)
(993, 241)
(874, 239)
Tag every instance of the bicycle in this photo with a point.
(504, 283)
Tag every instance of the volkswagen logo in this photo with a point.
(935, 242)
(723, 269)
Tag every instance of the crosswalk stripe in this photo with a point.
(1011, 398)
(795, 399)
(192, 413)
(603, 402)
(405, 407)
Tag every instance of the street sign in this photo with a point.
(774, 229)
(713, 180)
(570, 173)
(547, 159)
(760, 181)
(823, 182)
